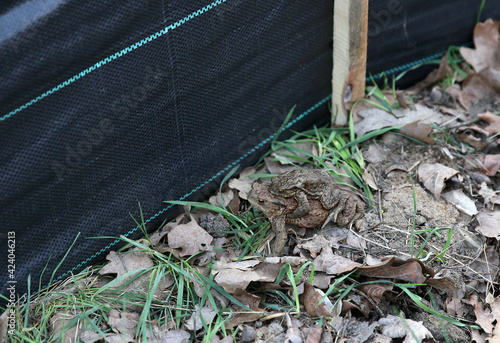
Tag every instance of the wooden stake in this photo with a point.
(350, 28)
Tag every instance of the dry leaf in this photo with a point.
(418, 131)
(243, 187)
(417, 332)
(293, 333)
(376, 291)
(313, 245)
(226, 199)
(123, 323)
(90, 337)
(487, 193)
(276, 167)
(487, 46)
(484, 317)
(489, 223)
(123, 263)
(236, 276)
(456, 92)
(333, 264)
(493, 120)
(321, 280)
(176, 336)
(411, 270)
(191, 238)
(286, 156)
(485, 59)
(59, 321)
(374, 154)
(311, 302)
(488, 164)
(369, 179)
(488, 262)
(252, 301)
(194, 323)
(478, 337)
(377, 119)
(433, 177)
(481, 85)
(392, 327)
(119, 338)
(461, 201)
(313, 334)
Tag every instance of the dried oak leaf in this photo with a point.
(190, 237)
(461, 201)
(252, 301)
(313, 334)
(243, 183)
(392, 326)
(484, 317)
(433, 176)
(418, 131)
(226, 199)
(123, 263)
(493, 120)
(298, 154)
(485, 59)
(59, 323)
(487, 46)
(489, 223)
(376, 291)
(194, 323)
(375, 118)
(488, 164)
(484, 84)
(479, 337)
(293, 332)
(123, 323)
(311, 302)
(89, 336)
(333, 264)
(412, 270)
(176, 336)
(417, 332)
(237, 275)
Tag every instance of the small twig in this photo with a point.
(462, 124)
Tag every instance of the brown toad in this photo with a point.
(304, 184)
(277, 210)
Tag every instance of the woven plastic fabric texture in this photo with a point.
(104, 105)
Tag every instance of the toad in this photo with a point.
(320, 202)
(304, 184)
(277, 209)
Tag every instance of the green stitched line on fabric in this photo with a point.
(411, 64)
(404, 66)
(232, 165)
(114, 56)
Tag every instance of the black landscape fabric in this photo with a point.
(107, 104)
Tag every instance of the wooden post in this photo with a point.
(350, 28)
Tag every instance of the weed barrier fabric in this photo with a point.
(107, 105)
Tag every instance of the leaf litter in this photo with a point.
(422, 266)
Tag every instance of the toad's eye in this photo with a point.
(261, 201)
